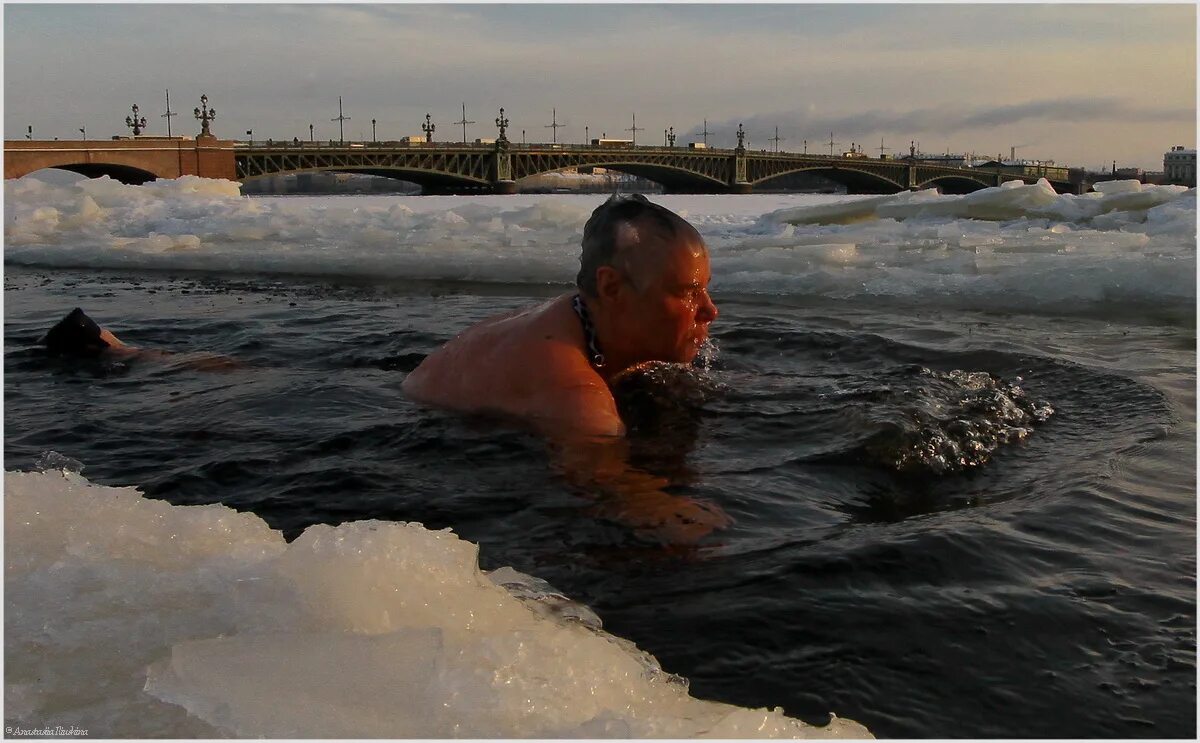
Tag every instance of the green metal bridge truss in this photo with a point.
(451, 167)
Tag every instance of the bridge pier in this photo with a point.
(740, 184)
(501, 169)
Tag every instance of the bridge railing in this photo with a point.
(483, 146)
(530, 147)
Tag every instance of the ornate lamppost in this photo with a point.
(502, 124)
(310, 132)
(373, 139)
(428, 127)
(134, 122)
(741, 135)
(83, 131)
(671, 137)
(205, 115)
(250, 134)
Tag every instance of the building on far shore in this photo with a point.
(950, 160)
(1029, 168)
(1179, 166)
(1120, 174)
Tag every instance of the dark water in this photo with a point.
(948, 524)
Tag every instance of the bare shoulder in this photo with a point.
(569, 397)
(504, 363)
(453, 360)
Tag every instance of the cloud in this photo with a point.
(1069, 110)
(943, 120)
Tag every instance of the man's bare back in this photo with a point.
(528, 365)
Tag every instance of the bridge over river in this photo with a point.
(492, 167)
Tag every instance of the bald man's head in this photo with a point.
(628, 233)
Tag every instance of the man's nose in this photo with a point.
(707, 311)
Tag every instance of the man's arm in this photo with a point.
(198, 360)
(588, 436)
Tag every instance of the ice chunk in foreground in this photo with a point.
(122, 612)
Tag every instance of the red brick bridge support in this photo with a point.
(132, 160)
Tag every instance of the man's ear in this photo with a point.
(608, 283)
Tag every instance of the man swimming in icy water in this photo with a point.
(78, 336)
(643, 297)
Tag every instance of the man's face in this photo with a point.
(668, 311)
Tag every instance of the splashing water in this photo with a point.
(707, 355)
(954, 421)
(51, 461)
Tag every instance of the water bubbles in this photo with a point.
(953, 421)
(708, 353)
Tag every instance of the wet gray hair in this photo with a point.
(602, 232)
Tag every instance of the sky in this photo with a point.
(1082, 85)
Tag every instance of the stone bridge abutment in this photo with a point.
(129, 160)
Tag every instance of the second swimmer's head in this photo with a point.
(75, 335)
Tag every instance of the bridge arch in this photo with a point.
(673, 179)
(430, 181)
(954, 184)
(855, 180)
(676, 171)
(126, 174)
